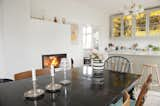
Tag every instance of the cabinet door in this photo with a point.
(128, 24)
(140, 25)
(116, 26)
(154, 23)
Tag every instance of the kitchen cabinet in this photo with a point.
(116, 25)
(140, 28)
(143, 24)
(127, 25)
(154, 23)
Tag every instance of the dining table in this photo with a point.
(84, 89)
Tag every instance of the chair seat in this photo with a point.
(132, 102)
(118, 103)
(5, 80)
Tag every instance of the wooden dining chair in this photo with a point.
(141, 97)
(143, 92)
(28, 74)
(124, 101)
(118, 63)
(126, 98)
(5, 80)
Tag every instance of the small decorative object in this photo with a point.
(95, 54)
(64, 64)
(110, 46)
(98, 68)
(34, 93)
(106, 49)
(134, 46)
(52, 87)
(117, 48)
(63, 20)
(55, 20)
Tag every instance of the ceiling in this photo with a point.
(116, 4)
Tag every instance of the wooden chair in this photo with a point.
(28, 74)
(126, 98)
(5, 80)
(118, 63)
(150, 69)
(141, 97)
(143, 92)
(125, 101)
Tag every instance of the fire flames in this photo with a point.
(55, 61)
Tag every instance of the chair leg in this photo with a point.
(157, 75)
(142, 77)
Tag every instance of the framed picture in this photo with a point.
(74, 33)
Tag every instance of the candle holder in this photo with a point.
(53, 87)
(65, 81)
(34, 93)
(64, 64)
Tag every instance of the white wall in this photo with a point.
(25, 40)
(47, 38)
(2, 69)
(73, 11)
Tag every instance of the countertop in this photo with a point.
(136, 53)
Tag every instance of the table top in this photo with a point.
(81, 92)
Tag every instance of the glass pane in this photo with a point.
(140, 24)
(96, 40)
(116, 30)
(127, 26)
(154, 23)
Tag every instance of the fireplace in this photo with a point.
(52, 59)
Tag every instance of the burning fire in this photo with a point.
(55, 61)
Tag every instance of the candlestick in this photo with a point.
(33, 74)
(34, 93)
(52, 70)
(52, 87)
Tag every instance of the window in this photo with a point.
(87, 37)
(90, 38)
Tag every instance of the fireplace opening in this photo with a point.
(52, 59)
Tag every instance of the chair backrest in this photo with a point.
(118, 63)
(28, 74)
(5, 80)
(144, 91)
(126, 99)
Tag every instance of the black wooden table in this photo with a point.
(81, 92)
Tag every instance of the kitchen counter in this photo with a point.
(135, 53)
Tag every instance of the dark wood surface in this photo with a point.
(81, 92)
